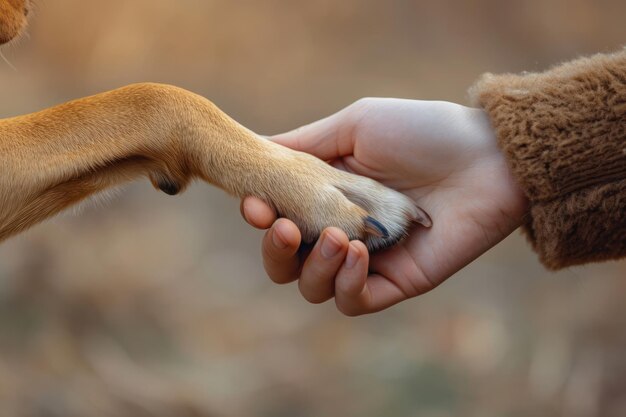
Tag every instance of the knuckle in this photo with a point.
(343, 288)
(310, 294)
(313, 298)
(317, 300)
(277, 273)
(365, 102)
(270, 255)
(354, 112)
(279, 279)
(273, 255)
(348, 310)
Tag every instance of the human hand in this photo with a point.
(440, 154)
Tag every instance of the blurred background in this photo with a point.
(150, 305)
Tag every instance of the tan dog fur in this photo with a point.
(57, 157)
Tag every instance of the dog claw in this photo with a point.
(422, 218)
(375, 228)
(168, 187)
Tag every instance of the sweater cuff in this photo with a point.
(563, 133)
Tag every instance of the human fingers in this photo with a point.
(356, 293)
(280, 251)
(317, 279)
(327, 139)
(257, 212)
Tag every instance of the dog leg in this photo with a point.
(57, 157)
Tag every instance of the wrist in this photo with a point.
(493, 154)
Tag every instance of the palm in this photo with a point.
(442, 155)
(458, 174)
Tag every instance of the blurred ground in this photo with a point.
(157, 306)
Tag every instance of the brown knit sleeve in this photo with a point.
(563, 133)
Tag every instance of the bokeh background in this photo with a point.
(149, 305)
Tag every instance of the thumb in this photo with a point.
(327, 139)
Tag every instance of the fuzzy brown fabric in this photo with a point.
(564, 135)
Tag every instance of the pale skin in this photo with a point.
(444, 155)
(57, 157)
(440, 155)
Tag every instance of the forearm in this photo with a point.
(563, 133)
(54, 158)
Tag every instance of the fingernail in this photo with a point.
(352, 258)
(330, 246)
(278, 240)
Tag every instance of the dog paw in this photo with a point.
(315, 196)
